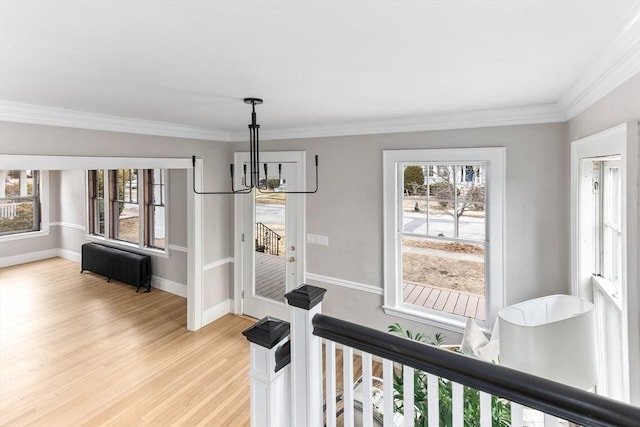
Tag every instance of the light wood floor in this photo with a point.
(75, 350)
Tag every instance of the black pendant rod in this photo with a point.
(254, 163)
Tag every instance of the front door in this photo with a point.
(271, 232)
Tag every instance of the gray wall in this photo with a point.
(349, 210)
(25, 139)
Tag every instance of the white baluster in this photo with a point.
(347, 381)
(457, 397)
(367, 408)
(387, 393)
(408, 394)
(516, 414)
(330, 374)
(433, 400)
(485, 409)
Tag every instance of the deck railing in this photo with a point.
(8, 210)
(267, 240)
(296, 391)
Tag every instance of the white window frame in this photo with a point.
(44, 213)
(110, 240)
(495, 159)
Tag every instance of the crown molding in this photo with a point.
(41, 115)
(618, 61)
(544, 113)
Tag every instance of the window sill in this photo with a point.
(451, 323)
(26, 235)
(128, 246)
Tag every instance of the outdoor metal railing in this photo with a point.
(267, 240)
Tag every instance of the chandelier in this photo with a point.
(253, 180)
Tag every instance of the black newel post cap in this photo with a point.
(305, 296)
(267, 332)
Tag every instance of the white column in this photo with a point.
(23, 183)
(269, 373)
(306, 357)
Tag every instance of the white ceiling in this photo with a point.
(317, 64)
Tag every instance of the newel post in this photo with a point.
(306, 356)
(269, 373)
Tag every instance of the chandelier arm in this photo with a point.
(254, 163)
(193, 172)
(306, 192)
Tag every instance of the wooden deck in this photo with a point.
(270, 283)
(446, 300)
(270, 276)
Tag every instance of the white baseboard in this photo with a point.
(70, 255)
(344, 283)
(169, 286)
(28, 257)
(217, 311)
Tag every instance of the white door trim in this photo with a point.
(298, 157)
(620, 140)
(194, 207)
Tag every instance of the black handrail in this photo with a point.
(267, 240)
(550, 397)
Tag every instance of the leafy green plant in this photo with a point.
(500, 409)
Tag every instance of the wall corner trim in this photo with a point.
(216, 264)
(344, 283)
(67, 225)
(217, 311)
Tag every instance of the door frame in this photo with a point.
(621, 140)
(298, 157)
(195, 284)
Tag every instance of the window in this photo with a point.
(125, 224)
(136, 206)
(154, 202)
(20, 202)
(96, 202)
(611, 225)
(443, 234)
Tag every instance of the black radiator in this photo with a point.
(118, 264)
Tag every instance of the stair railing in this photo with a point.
(292, 394)
(267, 240)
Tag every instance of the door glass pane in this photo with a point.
(269, 236)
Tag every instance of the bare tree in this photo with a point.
(455, 194)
